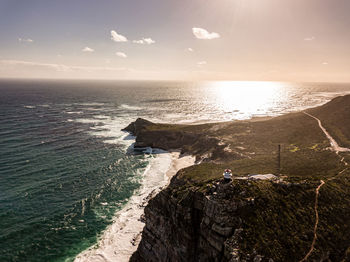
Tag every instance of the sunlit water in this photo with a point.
(64, 170)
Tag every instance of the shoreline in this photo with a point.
(121, 239)
(179, 162)
(197, 218)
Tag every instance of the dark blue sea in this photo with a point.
(67, 171)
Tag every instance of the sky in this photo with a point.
(243, 40)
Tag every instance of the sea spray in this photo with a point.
(121, 238)
(64, 171)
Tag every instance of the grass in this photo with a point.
(280, 222)
(335, 118)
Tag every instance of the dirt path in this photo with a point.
(337, 149)
(334, 143)
(316, 223)
(334, 146)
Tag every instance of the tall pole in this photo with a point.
(279, 160)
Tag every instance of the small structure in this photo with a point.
(227, 175)
(257, 177)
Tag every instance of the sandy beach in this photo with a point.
(121, 238)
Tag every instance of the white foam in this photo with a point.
(101, 117)
(129, 107)
(110, 129)
(121, 239)
(74, 112)
(89, 120)
(45, 105)
(91, 104)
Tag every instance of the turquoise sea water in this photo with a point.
(64, 163)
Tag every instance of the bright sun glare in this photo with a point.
(254, 98)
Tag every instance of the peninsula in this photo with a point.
(300, 213)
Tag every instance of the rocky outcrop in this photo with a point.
(169, 137)
(191, 226)
(200, 218)
(240, 221)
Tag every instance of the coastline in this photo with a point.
(121, 239)
(178, 162)
(199, 218)
(99, 120)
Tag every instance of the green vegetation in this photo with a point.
(279, 224)
(335, 118)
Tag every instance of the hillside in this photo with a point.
(198, 218)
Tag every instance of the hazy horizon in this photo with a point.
(202, 40)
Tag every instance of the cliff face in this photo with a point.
(244, 221)
(239, 221)
(200, 218)
(189, 226)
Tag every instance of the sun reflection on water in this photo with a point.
(247, 98)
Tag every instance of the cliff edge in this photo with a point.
(198, 217)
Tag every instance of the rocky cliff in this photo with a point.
(203, 145)
(200, 218)
(243, 221)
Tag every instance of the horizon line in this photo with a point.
(160, 80)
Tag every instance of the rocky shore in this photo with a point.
(200, 218)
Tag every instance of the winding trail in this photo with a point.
(334, 144)
(335, 147)
(316, 223)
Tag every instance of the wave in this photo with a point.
(74, 112)
(91, 104)
(129, 107)
(109, 129)
(121, 239)
(163, 100)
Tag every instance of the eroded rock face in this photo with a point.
(238, 221)
(190, 226)
(199, 218)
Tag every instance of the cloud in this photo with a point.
(121, 54)
(117, 37)
(60, 67)
(190, 49)
(143, 41)
(88, 50)
(201, 63)
(28, 40)
(325, 63)
(57, 67)
(201, 33)
(309, 38)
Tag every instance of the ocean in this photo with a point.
(67, 171)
